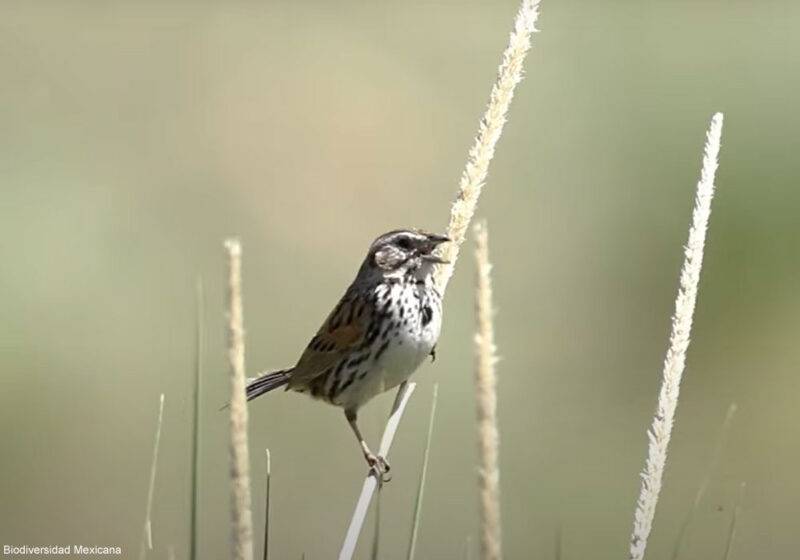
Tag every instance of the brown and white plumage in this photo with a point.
(379, 333)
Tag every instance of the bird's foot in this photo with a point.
(379, 467)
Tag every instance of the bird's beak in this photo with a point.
(437, 239)
(434, 241)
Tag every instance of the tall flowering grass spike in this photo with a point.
(489, 130)
(242, 518)
(659, 434)
(486, 391)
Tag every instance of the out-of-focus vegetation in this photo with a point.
(134, 138)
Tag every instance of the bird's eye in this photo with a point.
(404, 243)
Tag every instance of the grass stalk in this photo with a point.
(242, 519)
(371, 482)
(559, 542)
(147, 536)
(197, 392)
(701, 490)
(266, 507)
(486, 385)
(489, 130)
(376, 535)
(737, 510)
(661, 429)
(412, 545)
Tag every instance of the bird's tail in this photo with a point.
(257, 386)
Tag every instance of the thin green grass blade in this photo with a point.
(701, 490)
(412, 545)
(734, 520)
(147, 536)
(197, 392)
(559, 541)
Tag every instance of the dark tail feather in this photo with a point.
(266, 383)
(257, 386)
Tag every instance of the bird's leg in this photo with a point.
(377, 464)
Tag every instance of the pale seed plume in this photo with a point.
(489, 130)
(659, 434)
(486, 385)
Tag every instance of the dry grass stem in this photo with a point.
(486, 384)
(659, 434)
(376, 535)
(266, 507)
(371, 482)
(242, 521)
(147, 536)
(489, 130)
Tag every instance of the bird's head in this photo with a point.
(402, 252)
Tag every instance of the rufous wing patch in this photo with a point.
(344, 329)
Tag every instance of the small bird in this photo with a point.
(382, 329)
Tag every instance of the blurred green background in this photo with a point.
(134, 138)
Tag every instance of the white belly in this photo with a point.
(407, 350)
(413, 346)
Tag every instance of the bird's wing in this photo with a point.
(342, 332)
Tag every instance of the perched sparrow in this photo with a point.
(379, 333)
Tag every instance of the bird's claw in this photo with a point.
(379, 467)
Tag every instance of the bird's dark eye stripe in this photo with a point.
(404, 243)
